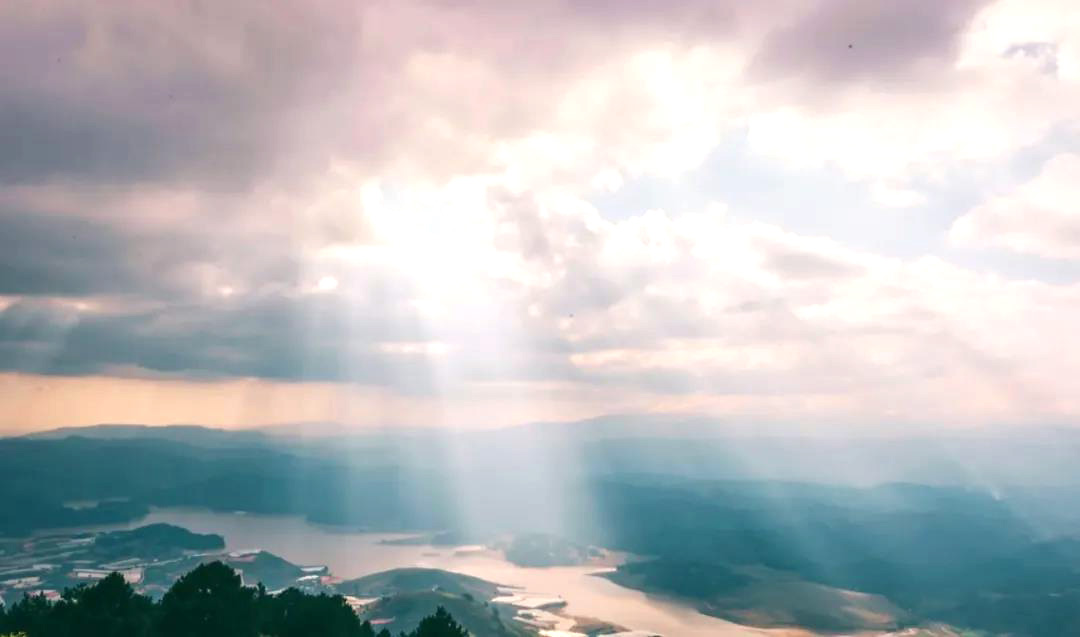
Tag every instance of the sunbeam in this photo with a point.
(358, 318)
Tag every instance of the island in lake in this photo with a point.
(151, 558)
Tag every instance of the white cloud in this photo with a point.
(997, 95)
(1039, 217)
(724, 312)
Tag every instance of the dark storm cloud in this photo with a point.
(72, 139)
(277, 338)
(287, 338)
(48, 254)
(44, 254)
(191, 91)
(856, 40)
(62, 255)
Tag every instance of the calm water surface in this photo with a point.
(352, 554)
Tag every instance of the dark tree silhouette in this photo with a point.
(209, 601)
(441, 624)
(110, 608)
(33, 616)
(296, 614)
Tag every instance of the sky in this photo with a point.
(474, 213)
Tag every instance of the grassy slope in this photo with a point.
(415, 580)
(407, 609)
(762, 597)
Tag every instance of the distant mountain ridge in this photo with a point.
(189, 434)
(685, 446)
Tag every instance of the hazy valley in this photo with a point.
(585, 519)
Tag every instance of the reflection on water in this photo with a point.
(351, 554)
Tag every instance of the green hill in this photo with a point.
(405, 610)
(759, 596)
(266, 568)
(417, 580)
(156, 540)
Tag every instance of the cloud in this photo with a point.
(866, 42)
(151, 247)
(706, 306)
(42, 254)
(1039, 217)
(133, 92)
(795, 258)
(401, 196)
(231, 97)
(275, 338)
(940, 92)
(228, 96)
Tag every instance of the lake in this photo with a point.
(351, 554)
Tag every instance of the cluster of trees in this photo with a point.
(209, 601)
